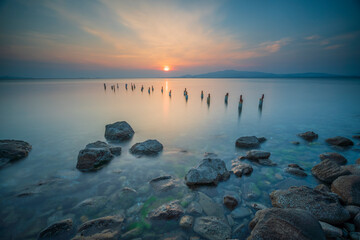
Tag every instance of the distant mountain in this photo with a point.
(245, 74)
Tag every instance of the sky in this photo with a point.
(101, 38)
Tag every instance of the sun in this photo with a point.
(166, 68)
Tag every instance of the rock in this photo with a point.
(356, 136)
(358, 161)
(12, 150)
(58, 230)
(322, 187)
(308, 136)
(294, 165)
(186, 221)
(331, 231)
(171, 210)
(230, 202)
(94, 156)
(354, 169)
(324, 206)
(349, 227)
(241, 212)
(162, 184)
(348, 188)
(249, 142)
(258, 206)
(212, 228)
(338, 158)
(295, 142)
(210, 207)
(149, 147)
(357, 222)
(289, 182)
(257, 154)
(116, 151)
(328, 170)
(340, 141)
(194, 208)
(250, 191)
(118, 131)
(353, 210)
(240, 169)
(296, 170)
(285, 224)
(108, 227)
(131, 234)
(209, 171)
(355, 235)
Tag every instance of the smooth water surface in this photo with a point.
(59, 117)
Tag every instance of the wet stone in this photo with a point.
(163, 183)
(149, 147)
(171, 210)
(308, 136)
(241, 212)
(186, 221)
(240, 169)
(249, 142)
(230, 202)
(118, 131)
(331, 231)
(58, 230)
(336, 157)
(194, 208)
(348, 188)
(340, 141)
(210, 207)
(328, 170)
(13, 150)
(212, 228)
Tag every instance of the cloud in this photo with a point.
(313, 37)
(332, 47)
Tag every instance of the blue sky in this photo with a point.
(138, 38)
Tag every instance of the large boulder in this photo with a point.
(94, 156)
(171, 210)
(324, 206)
(328, 170)
(59, 230)
(348, 188)
(118, 131)
(209, 171)
(12, 150)
(212, 228)
(336, 157)
(308, 136)
(249, 142)
(340, 141)
(149, 147)
(285, 224)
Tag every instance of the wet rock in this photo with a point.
(357, 222)
(340, 141)
(149, 147)
(131, 234)
(295, 142)
(58, 230)
(210, 207)
(353, 210)
(108, 227)
(209, 171)
(162, 184)
(258, 206)
(289, 182)
(338, 158)
(354, 235)
(12, 150)
(354, 169)
(257, 154)
(308, 136)
(285, 224)
(116, 151)
(296, 170)
(328, 170)
(324, 206)
(239, 168)
(118, 131)
(348, 188)
(212, 228)
(93, 202)
(322, 187)
(171, 210)
(249, 142)
(294, 165)
(186, 221)
(194, 208)
(94, 156)
(250, 191)
(241, 212)
(331, 231)
(230, 202)
(349, 227)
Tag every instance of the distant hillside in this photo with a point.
(245, 74)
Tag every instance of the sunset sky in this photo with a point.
(139, 38)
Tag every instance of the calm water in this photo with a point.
(59, 117)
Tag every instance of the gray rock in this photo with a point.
(230, 202)
(210, 207)
(322, 187)
(212, 228)
(171, 210)
(354, 169)
(331, 231)
(308, 136)
(118, 131)
(241, 212)
(285, 224)
(348, 188)
(250, 191)
(357, 222)
(296, 170)
(116, 151)
(131, 234)
(58, 230)
(338, 158)
(209, 171)
(12, 150)
(94, 156)
(249, 142)
(239, 168)
(353, 210)
(324, 206)
(163, 183)
(258, 206)
(186, 221)
(340, 141)
(194, 208)
(328, 170)
(149, 147)
(257, 154)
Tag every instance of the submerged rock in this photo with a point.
(12, 150)
(58, 230)
(94, 156)
(296, 170)
(324, 206)
(348, 188)
(212, 228)
(285, 224)
(209, 171)
(186, 221)
(118, 131)
(340, 141)
(210, 207)
(241, 212)
(308, 136)
(258, 156)
(149, 147)
(331, 231)
(171, 210)
(162, 184)
(328, 170)
(239, 168)
(249, 142)
(230, 202)
(194, 208)
(336, 157)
